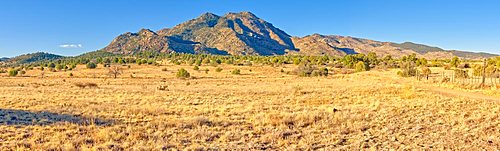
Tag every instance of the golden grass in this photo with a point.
(259, 109)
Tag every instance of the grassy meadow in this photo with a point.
(262, 108)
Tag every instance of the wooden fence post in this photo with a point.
(483, 82)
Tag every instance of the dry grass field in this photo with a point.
(262, 108)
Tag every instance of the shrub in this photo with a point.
(464, 65)
(59, 67)
(455, 61)
(88, 84)
(477, 70)
(304, 70)
(426, 72)
(323, 71)
(206, 71)
(196, 68)
(461, 73)
(164, 69)
(52, 65)
(236, 71)
(70, 74)
(491, 70)
(183, 73)
(91, 65)
(407, 69)
(361, 66)
(218, 69)
(13, 72)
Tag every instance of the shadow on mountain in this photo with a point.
(27, 118)
(348, 51)
(216, 51)
(262, 44)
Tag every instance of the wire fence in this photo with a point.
(465, 77)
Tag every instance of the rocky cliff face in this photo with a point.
(245, 34)
(234, 33)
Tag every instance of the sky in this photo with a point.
(72, 27)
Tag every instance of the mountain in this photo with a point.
(317, 44)
(147, 40)
(234, 33)
(32, 57)
(245, 34)
(3, 59)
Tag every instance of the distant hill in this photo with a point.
(317, 44)
(245, 34)
(3, 59)
(32, 57)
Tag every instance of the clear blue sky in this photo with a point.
(71, 27)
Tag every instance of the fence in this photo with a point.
(464, 77)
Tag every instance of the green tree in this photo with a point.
(13, 72)
(59, 67)
(361, 66)
(455, 61)
(52, 65)
(91, 65)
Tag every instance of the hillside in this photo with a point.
(317, 44)
(234, 33)
(245, 34)
(32, 57)
(3, 59)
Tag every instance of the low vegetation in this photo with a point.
(183, 73)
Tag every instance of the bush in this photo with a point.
(477, 70)
(218, 69)
(91, 65)
(52, 65)
(84, 85)
(323, 71)
(455, 61)
(164, 69)
(236, 71)
(183, 73)
(309, 70)
(206, 71)
(13, 72)
(196, 68)
(59, 67)
(461, 73)
(70, 74)
(407, 69)
(361, 66)
(464, 65)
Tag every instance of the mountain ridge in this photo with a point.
(31, 57)
(244, 33)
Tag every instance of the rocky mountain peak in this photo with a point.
(244, 33)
